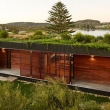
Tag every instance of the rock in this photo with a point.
(11, 79)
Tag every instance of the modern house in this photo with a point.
(38, 61)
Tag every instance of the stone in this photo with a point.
(12, 78)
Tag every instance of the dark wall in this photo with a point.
(3, 59)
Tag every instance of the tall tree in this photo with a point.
(59, 19)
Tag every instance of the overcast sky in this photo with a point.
(37, 10)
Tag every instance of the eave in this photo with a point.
(58, 48)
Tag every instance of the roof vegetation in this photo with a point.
(78, 39)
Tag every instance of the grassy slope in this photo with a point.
(28, 89)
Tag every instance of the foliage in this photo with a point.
(106, 106)
(90, 105)
(65, 36)
(12, 99)
(4, 34)
(78, 40)
(96, 98)
(89, 38)
(38, 32)
(37, 37)
(55, 96)
(79, 37)
(59, 19)
(107, 38)
(87, 24)
(99, 38)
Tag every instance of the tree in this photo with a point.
(59, 19)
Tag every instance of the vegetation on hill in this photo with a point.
(15, 27)
(88, 21)
(87, 24)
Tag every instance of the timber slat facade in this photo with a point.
(41, 60)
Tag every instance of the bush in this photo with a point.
(4, 34)
(55, 96)
(11, 98)
(106, 106)
(99, 38)
(107, 38)
(90, 105)
(89, 38)
(79, 37)
(38, 32)
(36, 37)
(65, 36)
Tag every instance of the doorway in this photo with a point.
(8, 54)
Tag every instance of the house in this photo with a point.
(36, 60)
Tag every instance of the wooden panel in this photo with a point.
(15, 59)
(36, 65)
(3, 59)
(94, 69)
(25, 68)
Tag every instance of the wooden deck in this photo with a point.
(15, 72)
(86, 86)
(91, 85)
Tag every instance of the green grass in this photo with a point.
(28, 89)
(98, 99)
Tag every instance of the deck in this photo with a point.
(92, 85)
(85, 86)
(15, 72)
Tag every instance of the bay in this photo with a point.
(93, 32)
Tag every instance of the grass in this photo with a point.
(28, 89)
(24, 87)
(98, 99)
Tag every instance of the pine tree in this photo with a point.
(59, 19)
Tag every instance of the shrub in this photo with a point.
(89, 38)
(107, 38)
(38, 32)
(4, 34)
(99, 38)
(65, 36)
(106, 106)
(11, 98)
(55, 96)
(37, 35)
(90, 105)
(79, 37)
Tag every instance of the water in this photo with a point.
(93, 32)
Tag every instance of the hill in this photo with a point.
(88, 21)
(28, 25)
(87, 24)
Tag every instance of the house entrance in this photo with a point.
(8, 55)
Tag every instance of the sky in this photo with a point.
(37, 10)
